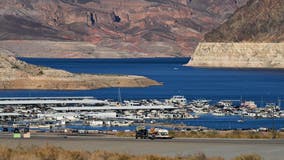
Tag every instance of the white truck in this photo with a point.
(153, 133)
(158, 133)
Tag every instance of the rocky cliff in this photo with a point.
(239, 55)
(16, 74)
(120, 28)
(257, 21)
(253, 24)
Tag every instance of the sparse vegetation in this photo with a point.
(57, 153)
(14, 66)
(228, 134)
(248, 157)
(215, 134)
(40, 73)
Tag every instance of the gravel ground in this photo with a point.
(268, 149)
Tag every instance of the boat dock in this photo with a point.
(48, 112)
(49, 100)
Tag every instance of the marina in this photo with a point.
(175, 113)
(190, 98)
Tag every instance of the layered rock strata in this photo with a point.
(238, 55)
(257, 21)
(144, 28)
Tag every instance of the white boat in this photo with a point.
(40, 126)
(123, 123)
(96, 123)
(240, 121)
(218, 114)
(200, 103)
(180, 100)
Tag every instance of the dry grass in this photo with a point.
(55, 153)
(215, 134)
(228, 134)
(125, 134)
(248, 157)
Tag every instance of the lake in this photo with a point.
(262, 86)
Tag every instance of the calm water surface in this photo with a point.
(259, 85)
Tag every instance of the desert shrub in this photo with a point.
(56, 153)
(5, 153)
(248, 157)
(212, 134)
(199, 156)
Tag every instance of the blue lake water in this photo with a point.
(262, 86)
(209, 121)
(231, 122)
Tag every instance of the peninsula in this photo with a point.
(16, 74)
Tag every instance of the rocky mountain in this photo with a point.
(16, 74)
(120, 28)
(257, 21)
(253, 38)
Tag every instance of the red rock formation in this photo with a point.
(151, 27)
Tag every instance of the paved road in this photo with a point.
(227, 148)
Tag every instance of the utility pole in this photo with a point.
(261, 103)
(119, 96)
(273, 122)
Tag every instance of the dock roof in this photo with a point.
(10, 114)
(50, 101)
(112, 108)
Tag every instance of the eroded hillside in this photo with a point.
(252, 38)
(258, 21)
(145, 28)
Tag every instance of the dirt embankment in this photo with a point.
(16, 74)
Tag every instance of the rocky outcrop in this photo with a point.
(257, 21)
(238, 55)
(258, 27)
(131, 28)
(16, 74)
